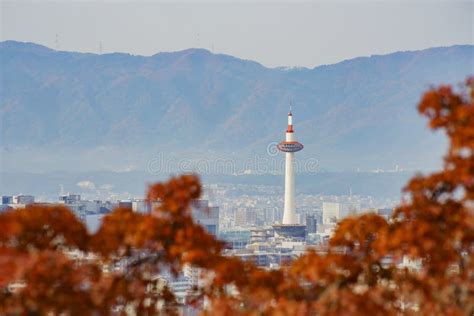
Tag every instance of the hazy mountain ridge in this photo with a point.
(360, 112)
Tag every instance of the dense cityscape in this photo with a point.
(244, 221)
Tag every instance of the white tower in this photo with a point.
(289, 146)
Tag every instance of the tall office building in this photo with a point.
(311, 224)
(207, 216)
(246, 216)
(334, 211)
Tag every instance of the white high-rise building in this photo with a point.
(23, 199)
(335, 211)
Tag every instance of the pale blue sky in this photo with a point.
(274, 34)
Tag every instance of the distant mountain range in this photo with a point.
(87, 111)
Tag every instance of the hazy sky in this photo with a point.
(274, 34)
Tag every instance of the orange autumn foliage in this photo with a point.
(51, 265)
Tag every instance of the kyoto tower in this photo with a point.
(289, 146)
